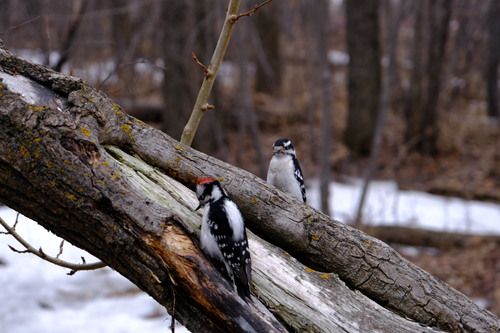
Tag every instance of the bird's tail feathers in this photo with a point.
(243, 289)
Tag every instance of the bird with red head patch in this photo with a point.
(223, 235)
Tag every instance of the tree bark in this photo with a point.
(55, 170)
(268, 74)
(177, 99)
(76, 163)
(322, 28)
(385, 100)
(364, 82)
(414, 99)
(493, 59)
(421, 110)
(440, 13)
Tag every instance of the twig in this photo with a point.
(207, 107)
(29, 249)
(172, 325)
(199, 63)
(60, 249)
(49, 42)
(206, 87)
(19, 25)
(201, 104)
(250, 12)
(142, 61)
(15, 223)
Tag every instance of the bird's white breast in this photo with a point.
(280, 174)
(207, 241)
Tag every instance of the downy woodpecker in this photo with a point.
(223, 234)
(284, 170)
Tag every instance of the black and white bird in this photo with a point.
(223, 234)
(284, 170)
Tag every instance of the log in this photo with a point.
(76, 163)
(306, 300)
(54, 170)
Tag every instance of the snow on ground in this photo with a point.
(39, 297)
(385, 204)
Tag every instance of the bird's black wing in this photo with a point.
(235, 252)
(300, 178)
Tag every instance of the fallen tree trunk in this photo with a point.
(306, 300)
(73, 161)
(54, 170)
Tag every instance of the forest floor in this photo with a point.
(475, 269)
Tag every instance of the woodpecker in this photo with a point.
(223, 234)
(284, 170)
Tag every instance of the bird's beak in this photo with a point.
(199, 206)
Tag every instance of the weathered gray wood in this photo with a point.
(306, 300)
(311, 301)
(55, 169)
(361, 261)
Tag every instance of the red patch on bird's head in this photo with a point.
(206, 180)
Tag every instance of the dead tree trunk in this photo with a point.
(493, 97)
(364, 80)
(77, 164)
(440, 13)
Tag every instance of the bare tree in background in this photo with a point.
(39, 8)
(364, 82)
(493, 58)
(322, 26)
(432, 30)
(176, 92)
(413, 103)
(440, 12)
(69, 38)
(214, 122)
(392, 29)
(307, 15)
(121, 31)
(268, 75)
(247, 115)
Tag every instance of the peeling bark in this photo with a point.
(76, 163)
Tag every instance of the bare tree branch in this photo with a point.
(60, 249)
(54, 260)
(206, 87)
(201, 104)
(70, 38)
(251, 12)
(205, 69)
(19, 25)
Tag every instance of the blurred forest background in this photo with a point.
(323, 73)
